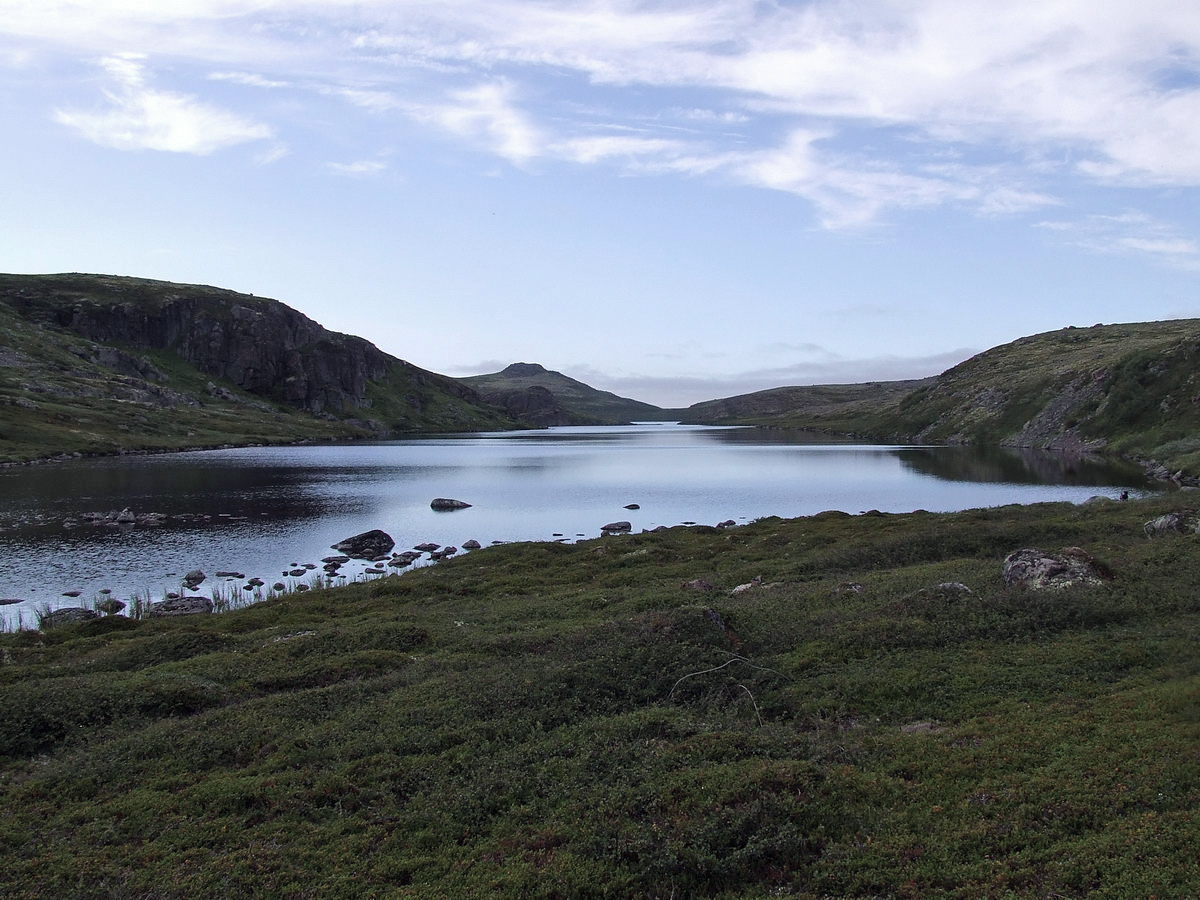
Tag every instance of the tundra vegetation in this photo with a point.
(1131, 389)
(873, 713)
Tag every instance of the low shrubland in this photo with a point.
(588, 720)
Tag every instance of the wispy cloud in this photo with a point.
(360, 168)
(820, 94)
(141, 117)
(684, 390)
(1129, 233)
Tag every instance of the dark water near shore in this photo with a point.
(258, 510)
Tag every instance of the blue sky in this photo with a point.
(673, 200)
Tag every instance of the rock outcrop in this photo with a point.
(1038, 570)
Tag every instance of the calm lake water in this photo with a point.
(259, 510)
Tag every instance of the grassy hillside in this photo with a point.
(1132, 389)
(542, 720)
(101, 364)
(816, 400)
(582, 403)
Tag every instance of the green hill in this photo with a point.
(1132, 389)
(573, 403)
(102, 364)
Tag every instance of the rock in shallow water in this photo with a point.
(367, 545)
(445, 504)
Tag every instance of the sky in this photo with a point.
(675, 200)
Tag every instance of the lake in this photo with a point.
(259, 510)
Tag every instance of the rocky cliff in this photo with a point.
(76, 347)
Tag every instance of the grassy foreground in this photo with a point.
(541, 720)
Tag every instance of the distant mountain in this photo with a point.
(1133, 389)
(541, 396)
(817, 400)
(98, 363)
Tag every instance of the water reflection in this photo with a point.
(256, 510)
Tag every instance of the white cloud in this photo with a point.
(359, 168)
(1129, 233)
(140, 117)
(488, 114)
(1103, 91)
(249, 79)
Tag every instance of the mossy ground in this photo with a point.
(541, 720)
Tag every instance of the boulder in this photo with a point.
(728, 523)
(111, 605)
(1170, 523)
(193, 579)
(367, 545)
(617, 526)
(9, 601)
(471, 544)
(632, 506)
(1039, 570)
(182, 606)
(445, 504)
(427, 547)
(126, 517)
(279, 586)
(68, 615)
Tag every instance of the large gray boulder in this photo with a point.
(68, 615)
(1170, 523)
(367, 545)
(617, 526)
(182, 606)
(1040, 570)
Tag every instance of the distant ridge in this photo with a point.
(532, 392)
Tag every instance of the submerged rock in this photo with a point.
(367, 545)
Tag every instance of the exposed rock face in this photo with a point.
(68, 615)
(259, 345)
(534, 404)
(367, 545)
(182, 606)
(1039, 570)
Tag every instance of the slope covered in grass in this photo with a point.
(541, 720)
(100, 364)
(1131, 389)
(577, 403)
